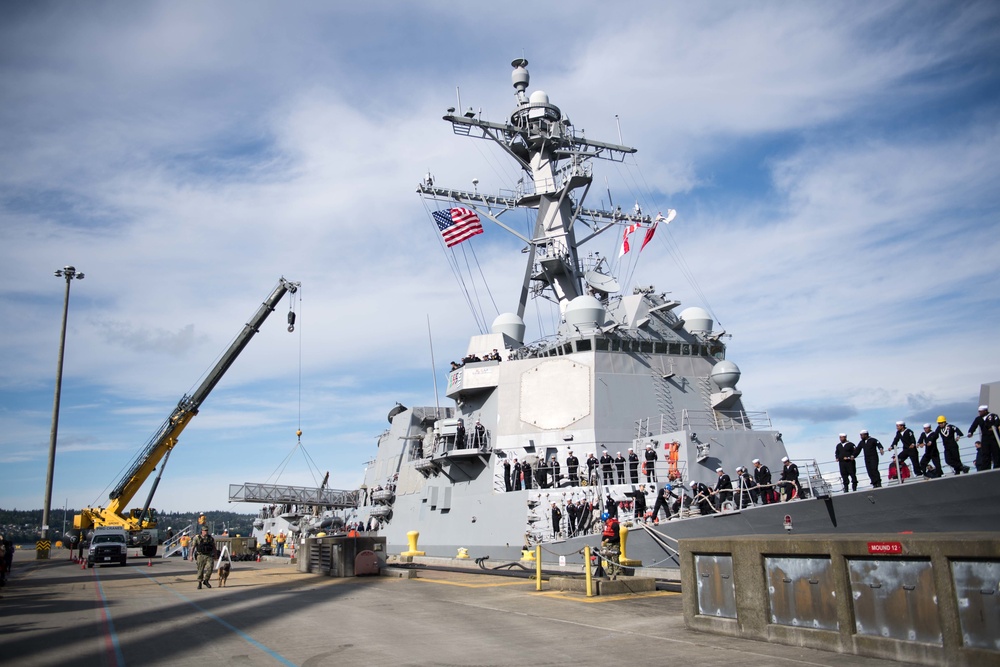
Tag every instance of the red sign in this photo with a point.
(885, 548)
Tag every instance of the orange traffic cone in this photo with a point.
(149, 563)
(83, 564)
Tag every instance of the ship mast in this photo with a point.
(556, 159)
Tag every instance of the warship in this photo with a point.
(631, 381)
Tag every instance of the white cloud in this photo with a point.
(835, 207)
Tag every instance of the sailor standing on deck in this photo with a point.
(517, 475)
(949, 435)
(845, 454)
(928, 440)
(526, 470)
(620, 467)
(723, 488)
(790, 479)
(573, 469)
(989, 423)
(869, 446)
(591, 469)
(633, 466)
(607, 469)
(909, 443)
(650, 464)
(506, 475)
(762, 475)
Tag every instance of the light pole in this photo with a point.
(42, 548)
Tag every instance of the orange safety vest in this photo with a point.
(281, 538)
(185, 540)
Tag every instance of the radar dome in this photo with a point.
(585, 311)
(726, 374)
(509, 325)
(696, 320)
(539, 97)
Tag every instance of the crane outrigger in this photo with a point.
(141, 522)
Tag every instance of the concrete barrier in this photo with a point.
(928, 599)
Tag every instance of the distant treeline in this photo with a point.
(25, 526)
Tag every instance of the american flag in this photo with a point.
(457, 225)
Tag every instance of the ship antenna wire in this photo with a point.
(430, 341)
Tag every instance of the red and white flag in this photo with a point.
(671, 214)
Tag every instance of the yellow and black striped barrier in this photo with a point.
(42, 549)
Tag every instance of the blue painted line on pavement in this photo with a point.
(112, 635)
(247, 638)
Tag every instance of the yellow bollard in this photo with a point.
(527, 554)
(625, 560)
(462, 553)
(590, 575)
(411, 538)
(538, 567)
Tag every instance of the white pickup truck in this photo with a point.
(108, 544)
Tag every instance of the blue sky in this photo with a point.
(834, 166)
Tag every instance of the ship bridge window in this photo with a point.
(646, 346)
(616, 345)
(660, 348)
(603, 344)
(583, 345)
(567, 348)
(675, 349)
(685, 349)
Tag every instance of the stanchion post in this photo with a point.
(538, 567)
(590, 575)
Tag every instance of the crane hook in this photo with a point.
(291, 321)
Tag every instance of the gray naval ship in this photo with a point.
(628, 376)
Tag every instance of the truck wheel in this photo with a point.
(149, 552)
(124, 561)
(89, 564)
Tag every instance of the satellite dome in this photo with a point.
(509, 325)
(726, 374)
(696, 320)
(539, 97)
(585, 311)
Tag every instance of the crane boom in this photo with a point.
(165, 438)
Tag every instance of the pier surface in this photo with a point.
(55, 613)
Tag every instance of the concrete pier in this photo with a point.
(920, 599)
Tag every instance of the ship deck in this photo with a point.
(55, 613)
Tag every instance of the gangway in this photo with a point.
(278, 494)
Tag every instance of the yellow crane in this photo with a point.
(141, 522)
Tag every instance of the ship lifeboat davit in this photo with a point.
(381, 511)
(585, 313)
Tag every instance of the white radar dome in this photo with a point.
(509, 325)
(539, 97)
(726, 374)
(696, 320)
(585, 311)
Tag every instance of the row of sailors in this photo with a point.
(987, 456)
(519, 474)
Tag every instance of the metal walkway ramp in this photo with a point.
(250, 492)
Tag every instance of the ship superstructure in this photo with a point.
(623, 370)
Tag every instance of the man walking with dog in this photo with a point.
(204, 550)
